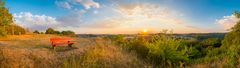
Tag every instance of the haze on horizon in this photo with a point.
(124, 16)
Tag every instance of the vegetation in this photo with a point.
(36, 32)
(163, 50)
(34, 51)
(52, 31)
(6, 22)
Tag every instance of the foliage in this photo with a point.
(15, 30)
(5, 17)
(231, 44)
(36, 32)
(211, 42)
(50, 31)
(2, 32)
(97, 56)
(167, 51)
(6, 22)
(69, 33)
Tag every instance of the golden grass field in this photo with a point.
(34, 51)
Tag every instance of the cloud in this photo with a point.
(42, 22)
(87, 4)
(227, 22)
(63, 4)
(35, 22)
(132, 17)
(73, 19)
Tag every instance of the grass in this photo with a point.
(33, 51)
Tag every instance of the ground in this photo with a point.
(34, 51)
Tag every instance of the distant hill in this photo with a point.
(199, 36)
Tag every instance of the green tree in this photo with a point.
(50, 31)
(233, 37)
(36, 32)
(57, 32)
(5, 18)
(14, 29)
(213, 42)
(231, 44)
(67, 32)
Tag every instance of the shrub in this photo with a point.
(36, 32)
(231, 44)
(50, 31)
(213, 42)
(166, 51)
(70, 33)
(2, 32)
(119, 39)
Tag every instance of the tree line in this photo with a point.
(52, 31)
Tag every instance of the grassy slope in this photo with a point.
(34, 51)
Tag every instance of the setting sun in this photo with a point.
(145, 30)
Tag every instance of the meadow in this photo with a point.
(115, 51)
(34, 51)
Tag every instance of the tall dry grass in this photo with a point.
(34, 51)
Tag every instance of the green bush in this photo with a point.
(211, 42)
(2, 32)
(69, 33)
(36, 32)
(50, 31)
(166, 51)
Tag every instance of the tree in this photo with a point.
(214, 42)
(231, 44)
(57, 32)
(68, 32)
(50, 31)
(14, 29)
(36, 32)
(233, 37)
(5, 18)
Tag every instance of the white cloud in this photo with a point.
(42, 22)
(133, 17)
(95, 12)
(63, 4)
(35, 22)
(73, 19)
(87, 4)
(227, 22)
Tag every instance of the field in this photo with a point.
(34, 51)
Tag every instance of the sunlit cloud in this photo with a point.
(134, 17)
(36, 22)
(110, 18)
(227, 22)
(87, 4)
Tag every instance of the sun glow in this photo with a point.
(145, 30)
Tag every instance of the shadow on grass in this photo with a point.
(62, 48)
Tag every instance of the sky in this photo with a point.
(125, 16)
